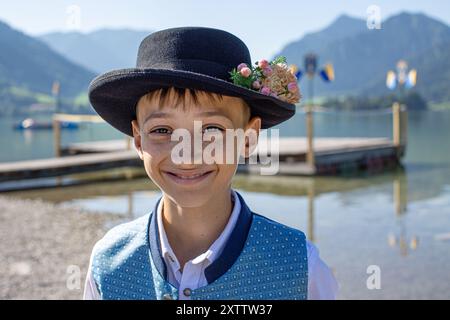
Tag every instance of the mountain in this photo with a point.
(344, 26)
(101, 50)
(361, 57)
(434, 66)
(27, 65)
(426, 48)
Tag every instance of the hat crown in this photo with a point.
(208, 51)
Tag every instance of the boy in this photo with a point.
(201, 241)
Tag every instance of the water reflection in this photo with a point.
(402, 240)
(134, 196)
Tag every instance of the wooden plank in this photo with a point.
(352, 155)
(97, 146)
(288, 145)
(66, 165)
(295, 146)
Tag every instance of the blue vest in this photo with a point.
(262, 259)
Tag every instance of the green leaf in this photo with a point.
(279, 59)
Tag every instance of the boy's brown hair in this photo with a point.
(163, 94)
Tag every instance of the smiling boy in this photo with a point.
(201, 240)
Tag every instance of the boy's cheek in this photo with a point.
(226, 172)
(153, 170)
(156, 149)
(152, 160)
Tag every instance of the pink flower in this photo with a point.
(292, 87)
(267, 71)
(246, 72)
(241, 66)
(256, 84)
(265, 90)
(273, 94)
(263, 63)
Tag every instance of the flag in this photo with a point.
(391, 80)
(327, 73)
(411, 79)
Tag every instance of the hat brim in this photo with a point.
(114, 94)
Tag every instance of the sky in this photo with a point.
(265, 26)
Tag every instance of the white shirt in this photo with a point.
(321, 282)
(193, 275)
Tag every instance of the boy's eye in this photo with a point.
(212, 129)
(160, 131)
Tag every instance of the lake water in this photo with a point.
(398, 222)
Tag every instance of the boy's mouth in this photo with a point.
(187, 177)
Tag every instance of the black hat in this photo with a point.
(188, 57)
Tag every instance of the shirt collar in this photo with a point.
(213, 251)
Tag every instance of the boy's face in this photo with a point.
(191, 184)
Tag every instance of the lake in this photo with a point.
(398, 221)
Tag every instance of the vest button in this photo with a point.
(167, 296)
(187, 292)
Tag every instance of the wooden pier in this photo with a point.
(297, 155)
(54, 167)
(332, 156)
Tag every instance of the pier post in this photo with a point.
(399, 130)
(404, 120)
(310, 137)
(56, 137)
(396, 132)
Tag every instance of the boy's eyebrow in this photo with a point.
(160, 115)
(211, 113)
(157, 115)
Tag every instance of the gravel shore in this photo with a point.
(45, 248)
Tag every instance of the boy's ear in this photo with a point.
(251, 136)
(137, 138)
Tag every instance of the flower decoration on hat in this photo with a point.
(272, 78)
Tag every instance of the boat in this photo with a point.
(31, 124)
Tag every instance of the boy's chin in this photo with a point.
(192, 198)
